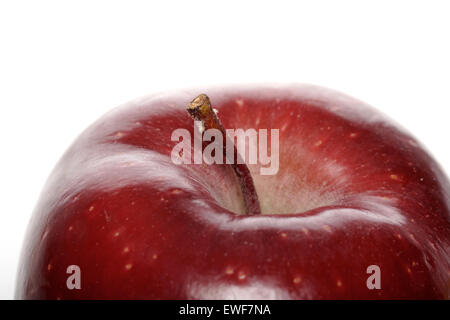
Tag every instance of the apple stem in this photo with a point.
(200, 110)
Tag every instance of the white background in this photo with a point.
(65, 63)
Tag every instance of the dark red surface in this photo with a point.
(358, 190)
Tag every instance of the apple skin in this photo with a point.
(355, 189)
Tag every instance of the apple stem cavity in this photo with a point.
(200, 110)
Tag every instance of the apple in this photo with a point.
(357, 209)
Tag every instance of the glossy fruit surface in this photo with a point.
(353, 190)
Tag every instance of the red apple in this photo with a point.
(353, 190)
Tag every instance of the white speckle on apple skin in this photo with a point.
(126, 250)
(229, 270)
(240, 102)
(297, 280)
(128, 266)
(242, 275)
(176, 191)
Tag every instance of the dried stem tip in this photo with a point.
(200, 110)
